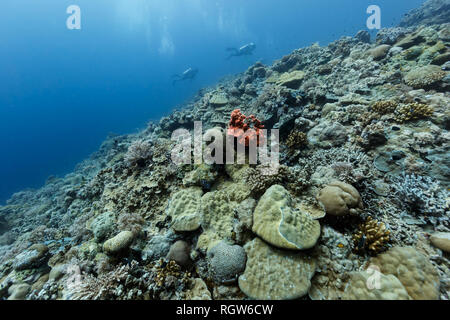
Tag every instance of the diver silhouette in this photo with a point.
(245, 50)
(188, 74)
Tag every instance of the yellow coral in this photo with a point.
(371, 235)
(384, 107)
(413, 111)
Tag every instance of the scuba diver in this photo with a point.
(242, 51)
(188, 74)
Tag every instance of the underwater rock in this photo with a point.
(363, 36)
(219, 99)
(273, 274)
(390, 35)
(226, 262)
(103, 225)
(199, 291)
(18, 291)
(430, 12)
(424, 77)
(327, 135)
(380, 52)
(292, 79)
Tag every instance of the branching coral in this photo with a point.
(296, 140)
(240, 127)
(384, 107)
(164, 270)
(421, 194)
(138, 153)
(413, 111)
(105, 286)
(371, 236)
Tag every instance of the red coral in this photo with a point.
(240, 124)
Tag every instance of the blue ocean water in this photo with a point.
(62, 91)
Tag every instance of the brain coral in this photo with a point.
(226, 262)
(339, 197)
(424, 77)
(273, 274)
(413, 269)
(390, 288)
(184, 209)
(276, 222)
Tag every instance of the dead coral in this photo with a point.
(371, 236)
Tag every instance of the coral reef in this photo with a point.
(360, 193)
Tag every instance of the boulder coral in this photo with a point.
(119, 243)
(273, 274)
(226, 262)
(387, 287)
(185, 209)
(275, 221)
(413, 269)
(339, 198)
